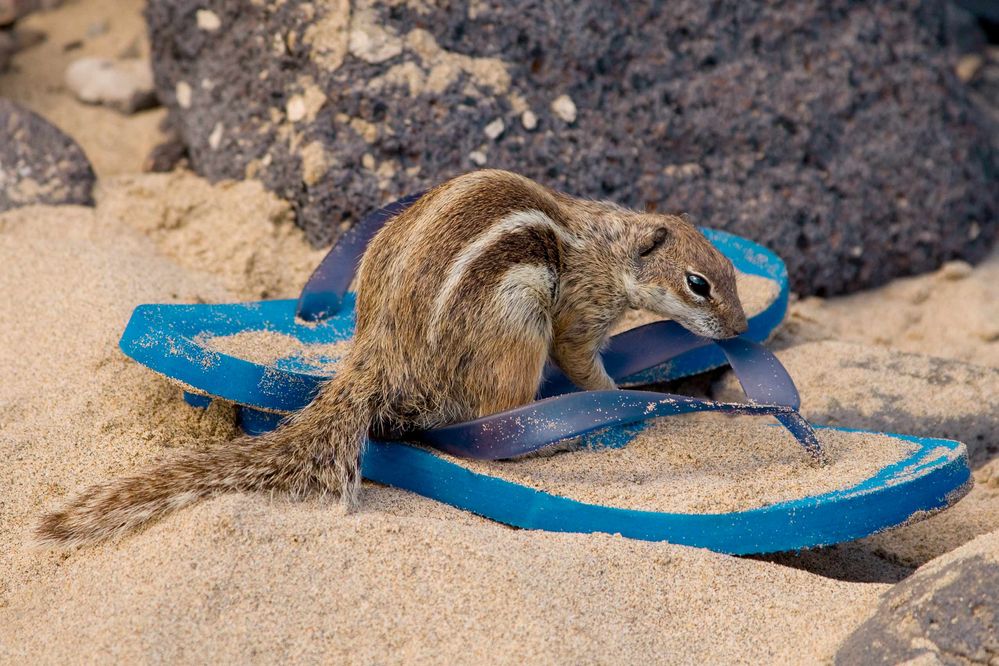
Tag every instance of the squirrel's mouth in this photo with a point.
(709, 327)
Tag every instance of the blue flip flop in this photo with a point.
(925, 476)
(181, 341)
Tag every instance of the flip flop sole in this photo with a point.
(931, 478)
(176, 341)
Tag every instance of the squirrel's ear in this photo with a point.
(652, 241)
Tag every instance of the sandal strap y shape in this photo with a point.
(534, 426)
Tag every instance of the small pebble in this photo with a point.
(208, 20)
(968, 66)
(495, 129)
(7, 48)
(564, 108)
(955, 270)
(295, 108)
(12, 10)
(125, 85)
(529, 120)
(918, 296)
(215, 138)
(165, 156)
(131, 50)
(368, 161)
(989, 334)
(477, 157)
(183, 93)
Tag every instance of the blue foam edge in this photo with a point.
(168, 339)
(888, 499)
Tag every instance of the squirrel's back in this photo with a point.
(455, 297)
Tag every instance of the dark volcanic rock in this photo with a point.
(834, 132)
(947, 612)
(165, 156)
(38, 163)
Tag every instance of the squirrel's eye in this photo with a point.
(698, 285)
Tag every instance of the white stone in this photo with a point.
(529, 120)
(314, 163)
(968, 66)
(126, 85)
(295, 108)
(215, 138)
(208, 20)
(478, 157)
(374, 44)
(564, 108)
(955, 270)
(183, 93)
(495, 129)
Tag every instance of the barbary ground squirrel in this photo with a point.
(461, 300)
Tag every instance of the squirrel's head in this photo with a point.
(679, 274)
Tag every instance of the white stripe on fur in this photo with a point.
(510, 224)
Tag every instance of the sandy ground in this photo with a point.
(952, 313)
(254, 578)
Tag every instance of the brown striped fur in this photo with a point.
(461, 300)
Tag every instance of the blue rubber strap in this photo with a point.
(762, 376)
(765, 380)
(540, 424)
(323, 294)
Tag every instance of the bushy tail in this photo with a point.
(317, 451)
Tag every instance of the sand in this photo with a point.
(255, 578)
(952, 313)
(269, 347)
(701, 463)
(244, 579)
(877, 388)
(252, 577)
